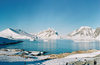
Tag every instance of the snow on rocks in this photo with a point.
(14, 55)
(84, 34)
(20, 52)
(7, 55)
(49, 34)
(73, 58)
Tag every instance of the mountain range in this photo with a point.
(20, 34)
(84, 33)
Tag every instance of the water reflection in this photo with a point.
(50, 45)
(86, 45)
(55, 46)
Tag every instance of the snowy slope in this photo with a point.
(97, 33)
(48, 34)
(16, 34)
(84, 33)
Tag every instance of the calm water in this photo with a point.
(55, 46)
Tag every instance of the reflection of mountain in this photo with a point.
(48, 34)
(16, 34)
(86, 45)
(48, 46)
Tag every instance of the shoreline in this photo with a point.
(74, 57)
(11, 43)
(62, 55)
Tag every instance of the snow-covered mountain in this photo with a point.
(97, 33)
(84, 33)
(4, 41)
(16, 34)
(48, 34)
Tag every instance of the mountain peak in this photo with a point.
(16, 34)
(83, 31)
(48, 34)
(50, 29)
(84, 28)
(9, 29)
(14, 29)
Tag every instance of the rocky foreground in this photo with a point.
(16, 55)
(90, 57)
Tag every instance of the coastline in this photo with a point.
(74, 57)
(11, 43)
(62, 55)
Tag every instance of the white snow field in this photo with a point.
(16, 34)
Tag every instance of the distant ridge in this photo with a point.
(85, 33)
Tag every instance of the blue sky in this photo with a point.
(62, 15)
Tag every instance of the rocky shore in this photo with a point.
(89, 57)
(62, 55)
(93, 61)
(20, 52)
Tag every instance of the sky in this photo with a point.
(64, 16)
